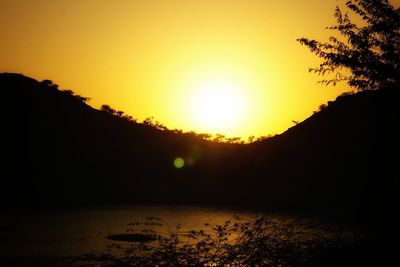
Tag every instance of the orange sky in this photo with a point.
(153, 57)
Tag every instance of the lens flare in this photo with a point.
(179, 162)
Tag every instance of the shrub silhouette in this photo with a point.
(265, 241)
(108, 109)
(79, 97)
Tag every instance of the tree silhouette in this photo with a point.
(49, 84)
(108, 109)
(371, 52)
(79, 97)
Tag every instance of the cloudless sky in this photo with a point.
(150, 57)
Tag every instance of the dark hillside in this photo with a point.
(341, 160)
(60, 151)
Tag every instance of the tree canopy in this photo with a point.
(366, 56)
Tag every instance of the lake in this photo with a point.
(67, 233)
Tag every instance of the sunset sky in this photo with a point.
(232, 67)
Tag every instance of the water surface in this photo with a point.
(68, 233)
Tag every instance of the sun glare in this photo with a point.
(218, 106)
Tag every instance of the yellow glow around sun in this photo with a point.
(218, 105)
(228, 67)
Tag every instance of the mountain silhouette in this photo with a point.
(60, 151)
(342, 157)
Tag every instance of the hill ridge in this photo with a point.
(64, 152)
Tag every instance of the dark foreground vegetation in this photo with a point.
(265, 241)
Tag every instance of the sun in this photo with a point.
(218, 106)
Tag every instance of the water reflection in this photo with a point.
(75, 232)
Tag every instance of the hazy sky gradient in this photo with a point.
(148, 57)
